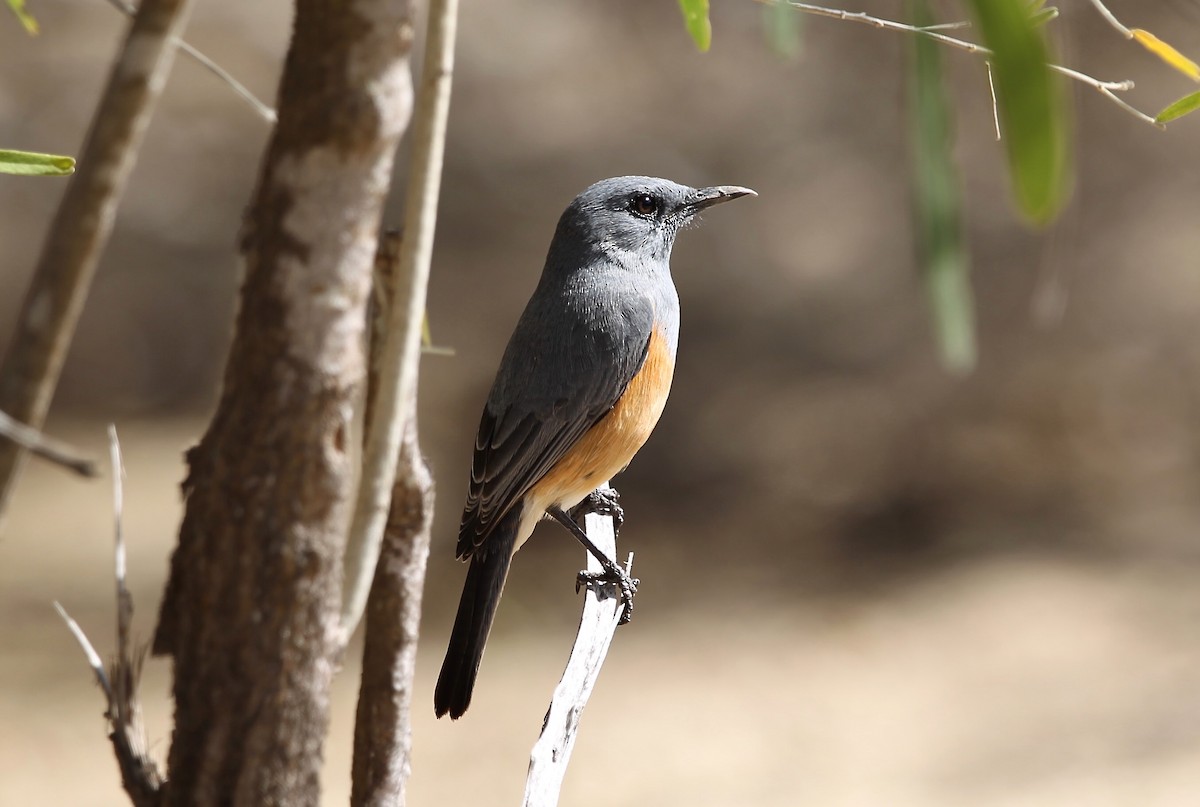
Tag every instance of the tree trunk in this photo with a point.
(251, 612)
(382, 727)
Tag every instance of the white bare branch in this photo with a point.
(602, 609)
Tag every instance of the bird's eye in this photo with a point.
(644, 204)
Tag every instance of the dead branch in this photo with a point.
(601, 614)
(139, 774)
(82, 224)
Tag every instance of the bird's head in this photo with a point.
(635, 217)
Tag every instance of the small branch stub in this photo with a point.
(139, 774)
(48, 449)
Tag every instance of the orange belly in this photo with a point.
(606, 448)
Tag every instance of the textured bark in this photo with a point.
(251, 612)
(382, 730)
(81, 227)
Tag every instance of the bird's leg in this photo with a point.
(601, 502)
(612, 573)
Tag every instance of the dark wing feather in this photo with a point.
(554, 384)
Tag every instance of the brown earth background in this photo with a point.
(865, 582)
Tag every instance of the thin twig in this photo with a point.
(601, 615)
(1137, 113)
(122, 672)
(995, 102)
(946, 26)
(1111, 19)
(1105, 88)
(45, 447)
(118, 469)
(402, 348)
(264, 110)
(93, 658)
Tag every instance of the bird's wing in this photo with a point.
(553, 385)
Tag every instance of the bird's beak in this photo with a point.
(707, 197)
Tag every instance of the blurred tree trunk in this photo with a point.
(251, 612)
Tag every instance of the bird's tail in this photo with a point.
(476, 610)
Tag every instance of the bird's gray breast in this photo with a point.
(580, 340)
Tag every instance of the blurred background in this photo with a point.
(865, 581)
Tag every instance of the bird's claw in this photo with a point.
(616, 576)
(601, 502)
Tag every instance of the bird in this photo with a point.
(581, 385)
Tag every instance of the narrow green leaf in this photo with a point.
(1032, 108)
(783, 27)
(31, 164)
(1184, 106)
(938, 202)
(26, 19)
(695, 19)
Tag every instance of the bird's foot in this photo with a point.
(601, 502)
(618, 577)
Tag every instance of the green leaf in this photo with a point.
(30, 164)
(695, 19)
(783, 28)
(1184, 106)
(26, 19)
(938, 202)
(1032, 108)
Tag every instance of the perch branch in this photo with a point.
(139, 775)
(402, 346)
(601, 614)
(83, 222)
(45, 447)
